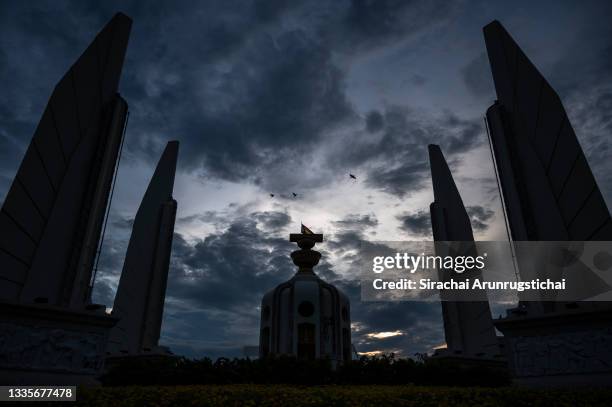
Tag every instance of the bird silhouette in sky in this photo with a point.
(271, 195)
(353, 177)
(294, 194)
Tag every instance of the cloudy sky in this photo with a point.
(292, 96)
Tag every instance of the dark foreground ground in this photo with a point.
(374, 395)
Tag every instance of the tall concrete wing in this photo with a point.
(52, 216)
(142, 288)
(549, 194)
(549, 191)
(468, 326)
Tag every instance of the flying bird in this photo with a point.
(271, 195)
(353, 177)
(294, 194)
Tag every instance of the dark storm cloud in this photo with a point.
(418, 223)
(110, 265)
(104, 293)
(269, 10)
(231, 86)
(480, 217)
(246, 94)
(272, 220)
(214, 218)
(276, 90)
(325, 269)
(372, 22)
(357, 222)
(221, 279)
(122, 222)
(253, 111)
(418, 80)
(374, 121)
(395, 159)
(401, 180)
(347, 244)
(216, 284)
(213, 283)
(240, 100)
(419, 323)
(345, 240)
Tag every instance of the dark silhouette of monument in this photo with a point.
(51, 221)
(468, 326)
(548, 188)
(141, 293)
(52, 216)
(305, 316)
(549, 194)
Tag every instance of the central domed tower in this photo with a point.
(305, 316)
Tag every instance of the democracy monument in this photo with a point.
(306, 317)
(53, 219)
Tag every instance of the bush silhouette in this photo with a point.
(384, 369)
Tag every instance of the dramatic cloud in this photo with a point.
(273, 221)
(418, 223)
(256, 262)
(219, 281)
(357, 222)
(372, 22)
(374, 121)
(479, 217)
(396, 160)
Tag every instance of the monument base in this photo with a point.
(469, 370)
(568, 348)
(41, 344)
